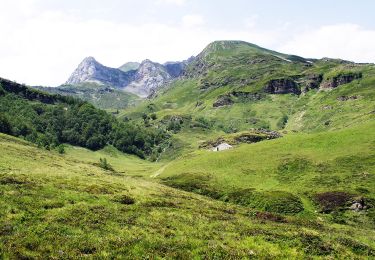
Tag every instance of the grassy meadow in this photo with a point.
(65, 206)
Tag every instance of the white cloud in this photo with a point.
(44, 47)
(347, 41)
(250, 22)
(193, 20)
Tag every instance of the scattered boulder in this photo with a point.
(252, 136)
(327, 107)
(282, 86)
(358, 204)
(346, 98)
(340, 79)
(263, 215)
(236, 96)
(246, 96)
(269, 133)
(223, 101)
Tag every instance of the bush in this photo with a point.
(104, 164)
(60, 149)
(282, 122)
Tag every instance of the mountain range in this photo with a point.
(142, 79)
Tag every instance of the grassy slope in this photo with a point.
(70, 199)
(61, 206)
(300, 164)
(101, 96)
(314, 111)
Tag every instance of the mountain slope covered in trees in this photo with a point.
(51, 120)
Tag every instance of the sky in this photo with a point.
(43, 41)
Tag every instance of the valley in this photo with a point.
(120, 161)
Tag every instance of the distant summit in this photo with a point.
(89, 70)
(142, 79)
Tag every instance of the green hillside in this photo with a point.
(236, 86)
(148, 181)
(287, 174)
(52, 120)
(63, 206)
(101, 96)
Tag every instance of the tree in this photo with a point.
(5, 126)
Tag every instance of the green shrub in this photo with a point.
(60, 149)
(104, 164)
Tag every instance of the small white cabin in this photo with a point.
(222, 147)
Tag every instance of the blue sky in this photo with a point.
(45, 40)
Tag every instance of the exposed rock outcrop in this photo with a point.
(358, 204)
(346, 98)
(340, 79)
(282, 86)
(236, 96)
(143, 79)
(312, 81)
(149, 77)
(252, 136)
(223, 101)
(176, 69)
(89, 70)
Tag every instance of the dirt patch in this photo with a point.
(270, 217)
(333, 200)
(124, 199)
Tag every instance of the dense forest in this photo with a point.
(51, 120)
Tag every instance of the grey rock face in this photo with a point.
(223, 101)
(149, 77)
(340, 79)
(143, 79)
(176, 69)
(282, 86)
(89, 70)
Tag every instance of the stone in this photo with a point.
(282, 86)
(223, 101)
(340, 79)
(346, 98)
(89, 70)
(144, 79)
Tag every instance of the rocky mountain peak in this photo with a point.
(142, 79)
(90, 70)
(149, 77)
(89, 59)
